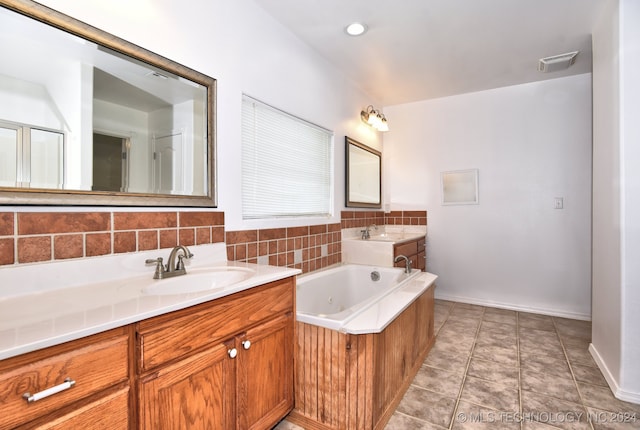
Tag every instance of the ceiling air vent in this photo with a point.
(557, 62)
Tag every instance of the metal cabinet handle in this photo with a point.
(246, 344)
(30, 398)
(232, 353)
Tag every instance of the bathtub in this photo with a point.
(362, 334)
(351, 297)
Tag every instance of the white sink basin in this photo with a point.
(199, 280)
(387, 237)
(390, 237)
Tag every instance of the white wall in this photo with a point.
(630, 142)
(606, 275)
(247, 51)
(531, 143)
(616, 206)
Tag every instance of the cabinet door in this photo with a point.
(265, 373)
(194, 393)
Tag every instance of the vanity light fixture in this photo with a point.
(374, 118)
(356, 29)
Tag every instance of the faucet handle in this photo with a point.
(186, 254)
(180, 265)
(159, 266)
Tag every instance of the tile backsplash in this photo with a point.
(307, 248)
(30, 237)
(351, 219)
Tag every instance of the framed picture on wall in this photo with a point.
(460, 187)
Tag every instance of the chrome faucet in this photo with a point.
(407, 263)
(366, 233)
(172, 268)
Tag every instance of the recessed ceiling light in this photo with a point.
(356, 29)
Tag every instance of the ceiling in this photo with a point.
(422, 49)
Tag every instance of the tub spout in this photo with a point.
(407, 263)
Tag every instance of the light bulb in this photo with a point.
(356, 29)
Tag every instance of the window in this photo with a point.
(31, 157)
(287, 164)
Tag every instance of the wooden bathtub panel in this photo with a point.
(313, 371)
(366, 378)
(339, 414)
(403, 347)
(395, 359)
(321, 378)
(360, 381)
(424, 323)
(356, 381)
(327, 375)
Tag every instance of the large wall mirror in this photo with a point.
(87, 118)
(363, 173)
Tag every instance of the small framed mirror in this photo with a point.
(87, 118)
(363, 175)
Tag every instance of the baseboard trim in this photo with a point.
(619, 393)
(490, 303)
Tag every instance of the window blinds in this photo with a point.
(287, 164)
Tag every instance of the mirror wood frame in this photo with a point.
(26, 196)
(349, 142)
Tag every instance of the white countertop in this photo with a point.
(50, 303)
(387, 233)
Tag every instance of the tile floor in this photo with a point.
(495, 368)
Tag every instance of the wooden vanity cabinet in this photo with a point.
(225, 364)
(414, 250)
(99, 397)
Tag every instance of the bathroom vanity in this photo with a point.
(221, 358)
(414, 249)
(383, 244)
(220, 365)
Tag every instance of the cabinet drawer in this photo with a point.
(94, 363)
(407, 249)
(421, 245)
(171, 336)
(106, 412)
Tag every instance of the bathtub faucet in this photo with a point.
(366, 232)
(407, 263)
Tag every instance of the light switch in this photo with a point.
(559, 203)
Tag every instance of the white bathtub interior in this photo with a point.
(333, 297)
